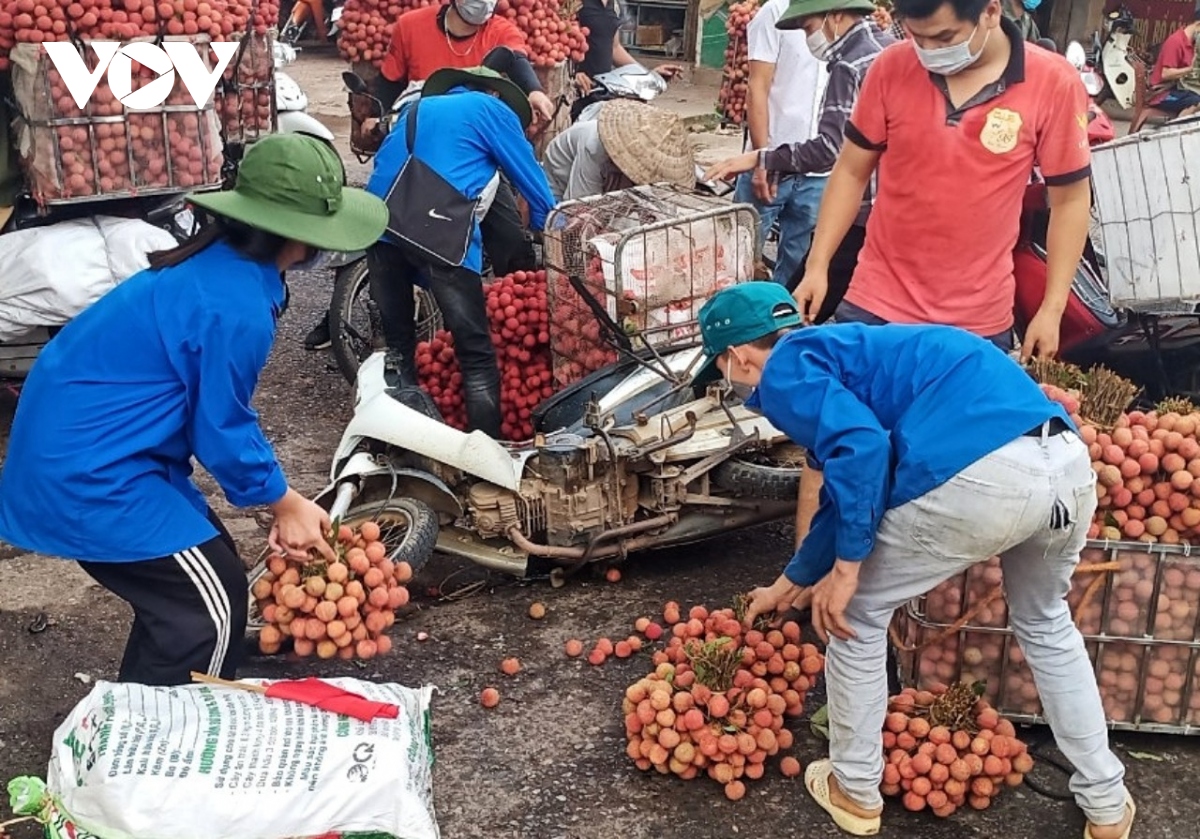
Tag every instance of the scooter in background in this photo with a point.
(291, 103)
(631, 81)
(1111, 54)
(1100, 126)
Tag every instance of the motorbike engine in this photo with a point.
(571, 492)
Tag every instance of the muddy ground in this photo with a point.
(549, 762)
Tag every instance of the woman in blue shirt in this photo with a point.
(159, 371)
(938, 454)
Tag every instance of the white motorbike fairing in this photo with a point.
(379, 417)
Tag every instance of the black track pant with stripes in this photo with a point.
(189, 611)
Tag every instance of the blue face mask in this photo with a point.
(1030, 5)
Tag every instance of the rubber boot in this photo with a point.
(400, 375)
(483, 408)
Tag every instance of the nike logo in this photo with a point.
(435, 214)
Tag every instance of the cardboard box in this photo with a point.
(651, 36)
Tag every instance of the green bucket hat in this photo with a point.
(740, 314)
(292, 185)
(798, 10)
(480, 78)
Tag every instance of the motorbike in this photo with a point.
(291, 103)
(1111, 53)
(1161, 352)
(631, 81)
(630, 458)
(169, 212)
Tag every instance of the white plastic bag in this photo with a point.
(198, 762)
(50, 274)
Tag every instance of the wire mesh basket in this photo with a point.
(245, 97)
(1137, 606)
(629, 270)
(71, 154)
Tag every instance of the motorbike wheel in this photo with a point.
(759, 477)
(354, 324)
(409, 529)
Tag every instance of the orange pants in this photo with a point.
(314, 9)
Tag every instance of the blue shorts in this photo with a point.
(1178, 100)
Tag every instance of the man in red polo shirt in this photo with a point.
(952, 122)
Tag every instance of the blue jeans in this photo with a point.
(795, 205)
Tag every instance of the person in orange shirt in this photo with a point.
(459, 34)
(950, 123)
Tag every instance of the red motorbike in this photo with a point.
(1158, 351)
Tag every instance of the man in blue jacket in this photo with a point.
(470, 127)
(938, 453)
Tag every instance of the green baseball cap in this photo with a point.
(480, 78)
(292, 185)
(740, 314)
(798, 10)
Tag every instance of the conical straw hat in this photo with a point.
(647, 144)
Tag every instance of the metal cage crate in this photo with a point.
(1137, 606)
(245, 96)
(629, 270)
(103, 150)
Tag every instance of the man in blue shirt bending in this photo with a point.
(470, 126)
(938, 453)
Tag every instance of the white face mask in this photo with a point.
(818, 44)
(946, 61)
(475, 12)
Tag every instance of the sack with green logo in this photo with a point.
(197, 762)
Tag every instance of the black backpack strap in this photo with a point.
(410, 127)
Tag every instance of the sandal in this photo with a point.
(1087, 828)
(816, 781)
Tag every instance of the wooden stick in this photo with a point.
(226, 683)
(11, 822)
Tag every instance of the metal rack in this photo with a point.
(1116, 631)
(48, 178)
(628, 271)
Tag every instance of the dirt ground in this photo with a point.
(549, 762)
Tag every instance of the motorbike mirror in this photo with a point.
(1076, 55)
(354, 82)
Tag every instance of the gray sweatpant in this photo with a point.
(999, 505)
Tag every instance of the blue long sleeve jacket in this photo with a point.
(888, 413)
(160, 370)
(465, 136)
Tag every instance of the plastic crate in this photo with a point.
(631, 269)
(1137, 606)
(104, 151)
